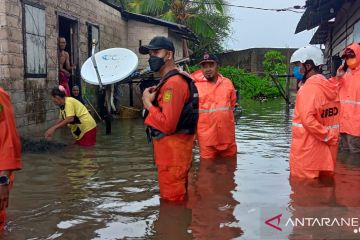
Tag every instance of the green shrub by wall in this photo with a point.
(250, 85)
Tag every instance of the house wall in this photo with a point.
(33, 108)
(345, 30)
(347, 20)
(140, 33)
(178, 44)
(251, 59)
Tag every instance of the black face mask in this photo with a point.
(156, 63)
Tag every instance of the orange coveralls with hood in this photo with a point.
(315, 128)
(216, 125)
(350, 97)
(10, 147)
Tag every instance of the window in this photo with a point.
(93, 33)
(35, 40)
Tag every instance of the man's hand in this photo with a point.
(148, 96)
(340, 72)
(333, 137)
(49, 133)
(4, 196)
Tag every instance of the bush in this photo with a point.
(248, 84)
(251, 85)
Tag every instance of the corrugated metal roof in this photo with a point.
(179, 29)
(322, 33)
(113, 4)
(318, 12)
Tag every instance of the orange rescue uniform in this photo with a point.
(10, 147)
(315, 130)
(216, 125)
(172, 153)
(350, 103)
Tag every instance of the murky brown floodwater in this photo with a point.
(111, 191)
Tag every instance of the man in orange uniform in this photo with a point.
(217, 99)
(350, 99)
(10, 152)
(171, 118)
(315, 127)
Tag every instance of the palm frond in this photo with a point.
(169, 16)
(200, 25)
(153, 7)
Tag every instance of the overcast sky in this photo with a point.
(256, 28)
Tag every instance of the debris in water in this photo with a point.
(40, 146)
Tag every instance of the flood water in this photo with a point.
(111, 191)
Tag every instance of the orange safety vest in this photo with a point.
(315, 127)
(10, 147)
(217, 101)
(350, 98)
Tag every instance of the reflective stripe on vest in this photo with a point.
(335, 126)
(216, 109)
(350, 102)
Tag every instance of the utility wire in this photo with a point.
(289, 9)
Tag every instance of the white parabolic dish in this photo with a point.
(114, 65)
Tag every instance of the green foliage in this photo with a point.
(274, 62)
(249, 85)
(220, 25)
(206, 18)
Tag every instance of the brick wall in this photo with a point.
(33, 107)
(251, 59)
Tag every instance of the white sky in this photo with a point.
(257, 28)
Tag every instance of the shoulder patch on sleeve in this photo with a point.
(167, 96)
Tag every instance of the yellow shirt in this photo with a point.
(83, 121)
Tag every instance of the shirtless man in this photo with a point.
(65, 68)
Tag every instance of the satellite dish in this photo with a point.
(113, 65)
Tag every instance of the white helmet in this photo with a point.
(308, 53)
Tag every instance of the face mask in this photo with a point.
(156, 63)
(297, 74)
(351, 62)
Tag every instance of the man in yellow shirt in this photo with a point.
(75, 115)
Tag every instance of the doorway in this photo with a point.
(68, 29)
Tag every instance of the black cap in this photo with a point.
(158, 42)
(348, 53)
(209, 58)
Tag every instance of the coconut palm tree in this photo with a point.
(207, 18)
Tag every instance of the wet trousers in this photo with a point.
(349, 143)
(223, 150)
(173, 156)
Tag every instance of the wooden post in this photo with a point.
(106, 114)
(131, 94)
(287, 88)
